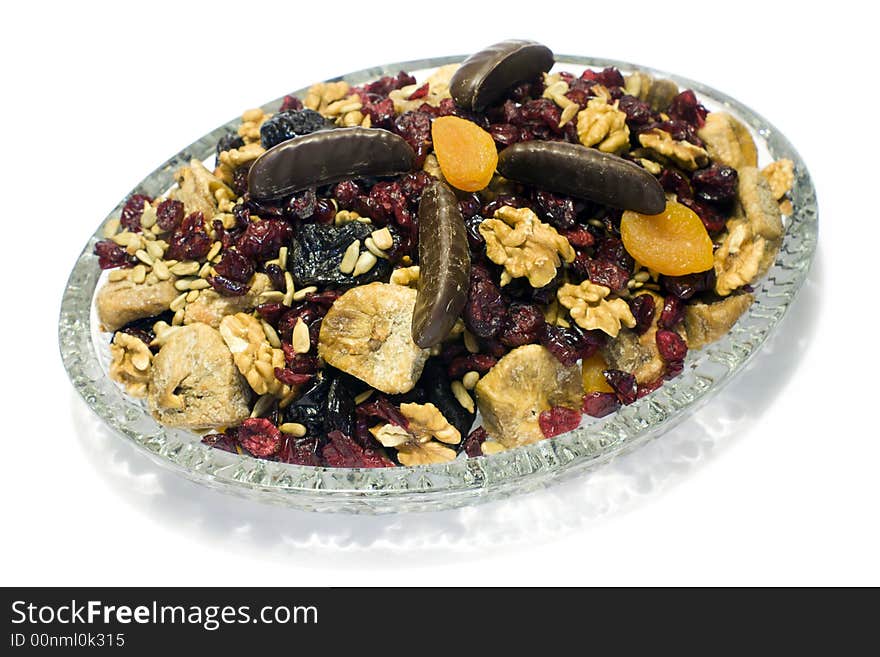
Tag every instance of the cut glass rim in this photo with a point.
(463, 481)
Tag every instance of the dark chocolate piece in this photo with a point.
(485, 76)
(576, 170)
(326, 157)
(444, 266)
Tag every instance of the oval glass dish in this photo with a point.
(85, 353)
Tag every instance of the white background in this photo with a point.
(773, 482)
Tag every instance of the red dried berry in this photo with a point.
(421, 92)
(299, 451)
(271, 312)
(169, 214)
(190, 241)
(111, 255)
(558, 420)
(638, 112)
(291, 378)
(685, 107)
(234, 266)
(624, 384)
(259, 437)
(608, 77)
(603, 272)
(647, 388)
(569, 345)
(556, 210)
(523, 325)
(276, 276)
(291, 103)
(461, 365)
(643, 309)
(325, 211)
(672, 314)
(673, 182)
(346, 193)
(671, 345)
(473, 444)
(343, 452)
(262, 239)
(130, 219)
(716, 184)
(504, 134)
(611, 249)
(381, 112)
(600, 404)
(712, 219)
(673, 369)
(485, 309)
(227, 442)
(580, 238)
(382, 409)
(227, 287)
(684, 287)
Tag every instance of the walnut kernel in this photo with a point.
(603, 126)
(588, 306)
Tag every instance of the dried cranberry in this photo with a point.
(415, 128)
(421, 92)
(276, 276)
(638, 112)
(716, 184)
(558, 211)
(643, 309)
(111, 255)
(473, 444)
(685, 107)
(235, 266)
(579, 237)
(271, 312)
(299, 451)
(672, 313)
(412, 185)
(386, 84)
(382, 409)
(343, 452)
(228, 441)
(603, 272)
(558, 420)
(302, 205)
(490, 208)
(673, 369)
(190, 241)
(674, 182)
(381, 113)
(504, 134)
(523, 325)
(671, 345)
(684, 287)
(324, 299)
(346, 193)
(325, 211)
(259, 437)
(461, 365)
(290, 102)
(228, 287)
(611, 249)
(648, 388)
(291, 378)
(130, 219)
(169, 214)
(240, 179)
(624, 384)
(262, 239)
(569, 344)
(608, 77)
(600, 404)
(712, 219)
(678, 130)
(537, 112)
(299, 363)
(485, 309)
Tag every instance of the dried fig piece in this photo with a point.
(705, 323)
(367, 333)
(523, 384)
(444, 266)
(485, 76)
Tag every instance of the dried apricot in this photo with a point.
(466, 153)
(594, 379)
(674, 242)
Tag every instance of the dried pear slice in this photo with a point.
(521, 385)
(367, 333)
(707, 322)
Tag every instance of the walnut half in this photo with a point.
(130, 363)
(418, 444)
(589, 307)
(254, 356)
(603, 126)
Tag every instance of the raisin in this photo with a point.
(259, 437)
(130, 219)
(190, 241)
(485, 309)
(624, 384)
(558, 420)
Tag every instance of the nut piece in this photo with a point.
(525, 246)
(406, 276)
(210, 307)
(685, 154)
(588, 307)
(603, 126)
(780, 175)
(752, 240)
(521, 385)
(130, 363)
(254, 356)
(728, 141)
(707, 322)
(438, 89)
(251, 121)
(123, 301)
(657, 93)
(200, 190)
(229, 161)
(417, 446)
(194, 383)
(367, 333)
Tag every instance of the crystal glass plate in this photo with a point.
(464, 481)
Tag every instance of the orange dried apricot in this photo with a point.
(674, 242)
(466, 153)
(594, 380)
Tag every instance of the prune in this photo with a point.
(523, 325)
(317, 249)
(309, 408)
(558, 420)
(340, 409)
(229, 142)
(624, 384)
(190, 241)
(130, 219)
(438, 392)
(485, 309)
(289, 124)
(262, 239)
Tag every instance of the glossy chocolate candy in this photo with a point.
(444, 266)
(326, 157)
(485, 76)
(576, 170)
